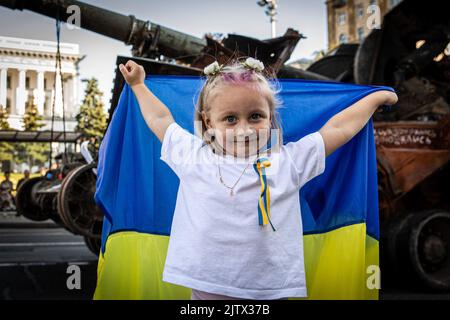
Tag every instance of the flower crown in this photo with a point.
(251, 64)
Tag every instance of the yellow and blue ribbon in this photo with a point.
(260, 166)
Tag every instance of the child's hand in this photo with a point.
(390, 97)
(132, 72)
(386, 99)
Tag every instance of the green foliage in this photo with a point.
(31, 119)
(92, 117)
(4, 125)
(6, 148)
(32, 153)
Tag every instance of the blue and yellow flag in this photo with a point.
(137, 193)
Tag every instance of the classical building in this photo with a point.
(349, 21)
(27, 72)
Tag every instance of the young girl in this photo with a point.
(237, 230)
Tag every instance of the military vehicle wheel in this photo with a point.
(60, 203)
(392, 255)
(94, 244)
(25, 200)
(418, 245)
(76, 204)
(429, 248)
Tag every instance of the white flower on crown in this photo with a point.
(254, 64)
(212, 68)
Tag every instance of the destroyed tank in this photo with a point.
(411, 53)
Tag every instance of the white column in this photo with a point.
(3, 87)
(50, 107)
(67, 97)
(69, 105)
(20, 93)
(58, 96)
(74, 94)
(40, 92)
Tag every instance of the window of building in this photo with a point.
(27, 83)
(373, 2)
(342, 18)
(45, 84)
(337, 4)
(8, 105)
(360, 34)
(393, 3)
(8, 82)
(343, 38)
(360, 11)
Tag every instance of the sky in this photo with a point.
(194, 17)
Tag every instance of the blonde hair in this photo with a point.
(234, 72)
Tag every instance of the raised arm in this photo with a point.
(343, 126)
(155, 113)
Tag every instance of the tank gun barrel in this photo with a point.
(149, 40)
(143, 35)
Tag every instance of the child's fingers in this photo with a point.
(121, 67)
(131, 65)
(124, 70)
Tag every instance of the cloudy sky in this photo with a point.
(195, 17)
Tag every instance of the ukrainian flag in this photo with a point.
(137, 193)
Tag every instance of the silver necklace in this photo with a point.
(234, 185)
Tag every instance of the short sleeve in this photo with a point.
(307, 156)
(177, 148)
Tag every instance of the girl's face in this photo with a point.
(240, 120)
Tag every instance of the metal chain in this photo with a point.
(234, 185)
(58, 63)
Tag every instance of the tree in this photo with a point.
(32, 153)
(31, 119)
(6, 148)
(92, 117)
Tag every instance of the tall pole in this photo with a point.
(271, 11)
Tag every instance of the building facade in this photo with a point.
(350, 21)
(27, 72)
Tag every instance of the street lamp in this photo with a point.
(271, 11)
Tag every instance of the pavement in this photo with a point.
(8, 219)
(35, 260)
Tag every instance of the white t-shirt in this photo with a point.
(216, 243)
